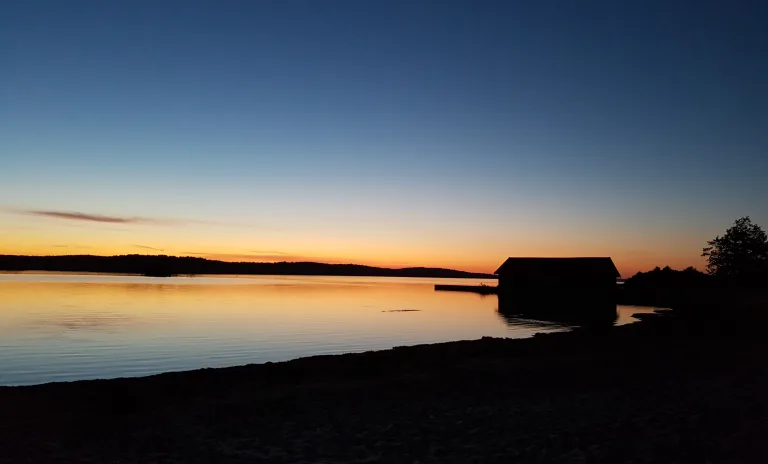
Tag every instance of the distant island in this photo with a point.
(163, 266)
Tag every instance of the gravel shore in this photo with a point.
(655, 391)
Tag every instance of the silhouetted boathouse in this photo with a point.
(572, 287)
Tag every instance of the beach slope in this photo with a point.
(655, 391)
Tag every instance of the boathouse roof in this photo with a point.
(558, 266)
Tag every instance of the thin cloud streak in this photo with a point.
(148, 247)
(263, 252)
(78, 216)
(270, 257)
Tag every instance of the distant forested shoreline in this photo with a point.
(182, 265)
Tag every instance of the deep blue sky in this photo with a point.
(386, 132)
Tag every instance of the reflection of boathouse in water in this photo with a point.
(570, 290)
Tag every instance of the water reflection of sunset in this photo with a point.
(250, 297)
(56, 327)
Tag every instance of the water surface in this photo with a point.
(56, 327)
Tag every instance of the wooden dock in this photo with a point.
(481, 289)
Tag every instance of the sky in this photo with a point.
(389, 133)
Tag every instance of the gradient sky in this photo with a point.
(390, 133)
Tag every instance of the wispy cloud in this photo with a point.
(266, 257)
(148, 247)
(78, 216)
(263, 252)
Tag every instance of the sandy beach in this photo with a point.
(659, 390)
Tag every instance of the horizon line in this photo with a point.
(249, 262)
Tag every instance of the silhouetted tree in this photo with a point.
(740, 255)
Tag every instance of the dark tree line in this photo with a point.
(173, 265)
(738, 258)
(668, 277)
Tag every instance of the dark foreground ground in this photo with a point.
(663, 390)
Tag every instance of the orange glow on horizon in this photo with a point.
(627, 267)
(461, 253)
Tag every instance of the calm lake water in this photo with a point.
(56, 327)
